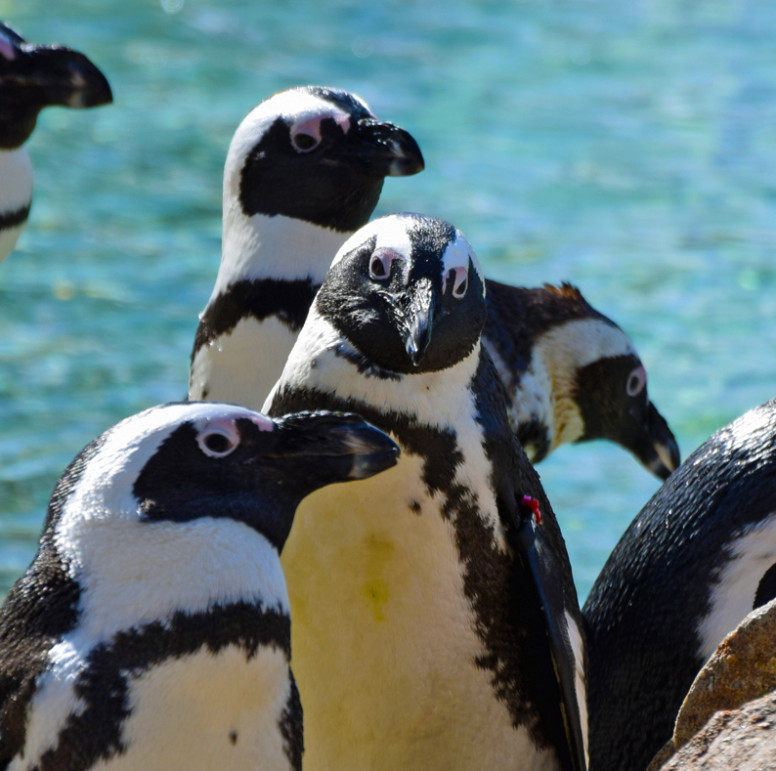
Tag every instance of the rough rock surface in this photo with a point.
(743, 739)
(728, 719)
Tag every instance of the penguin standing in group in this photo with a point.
(696, 560)
(33, 77)
(572, 375)
(152, 628)
(304, 170)
(436, 622)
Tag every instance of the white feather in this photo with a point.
(731, 597)
(15, 193)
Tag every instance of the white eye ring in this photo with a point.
(384, 259)
(303, 142)
(306, 134)
(218, 440)
(637, 381)
(460, 282)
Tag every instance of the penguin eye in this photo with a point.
(303, 142)
(380, 264)
(218, 441)
(306, 134)
(460, 282)
(637, 380)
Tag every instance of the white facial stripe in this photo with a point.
(732, 595)
(457, 255)
(105, 487)
(297, 106)
(391, 232)
(578, 343)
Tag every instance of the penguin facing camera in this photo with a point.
(435, 618)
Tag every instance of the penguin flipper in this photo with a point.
(540, 557)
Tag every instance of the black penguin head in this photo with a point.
(612, 396)
(182, 462)
(407, 293)
(318, 155)
(33, 77)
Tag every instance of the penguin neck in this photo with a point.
(322, 360)
(217, 562)
(282, 248)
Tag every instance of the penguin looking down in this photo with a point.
(435, 618)
(695, 561)
(152, 628)
(33, 77)
(572, 375)
(305, 169)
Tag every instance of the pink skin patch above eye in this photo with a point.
(461, 276)
(637, 381)
(7, 50)
(312, 126)
(381, 261)
(262, 422)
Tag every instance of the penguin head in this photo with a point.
(33, 77)
(612, 396)
(315, 154)
(406, 291)
(600, 383)
(182, 462)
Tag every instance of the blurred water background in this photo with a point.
(627, 147)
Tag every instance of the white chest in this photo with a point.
(207, 711)
(241, 367)
(200, 711)
(383, 636)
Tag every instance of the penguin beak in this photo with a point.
(654, 444)
(335, 446)
(387, 149)
(416, 319)
(55, 75)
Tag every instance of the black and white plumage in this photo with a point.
(436, 621)
(33, 77)
(572, 375)
(152, 628)
(304, 170)
(290, 203)
(696, 560)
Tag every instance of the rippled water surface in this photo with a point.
(627, 147)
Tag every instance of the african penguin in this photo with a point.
(436, 620)
(696, 560)
(33, 77)
(572, 375)
(304, 170)
(152, 628)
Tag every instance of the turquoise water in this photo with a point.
(627, 147)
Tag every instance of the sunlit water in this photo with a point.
(627, 147)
